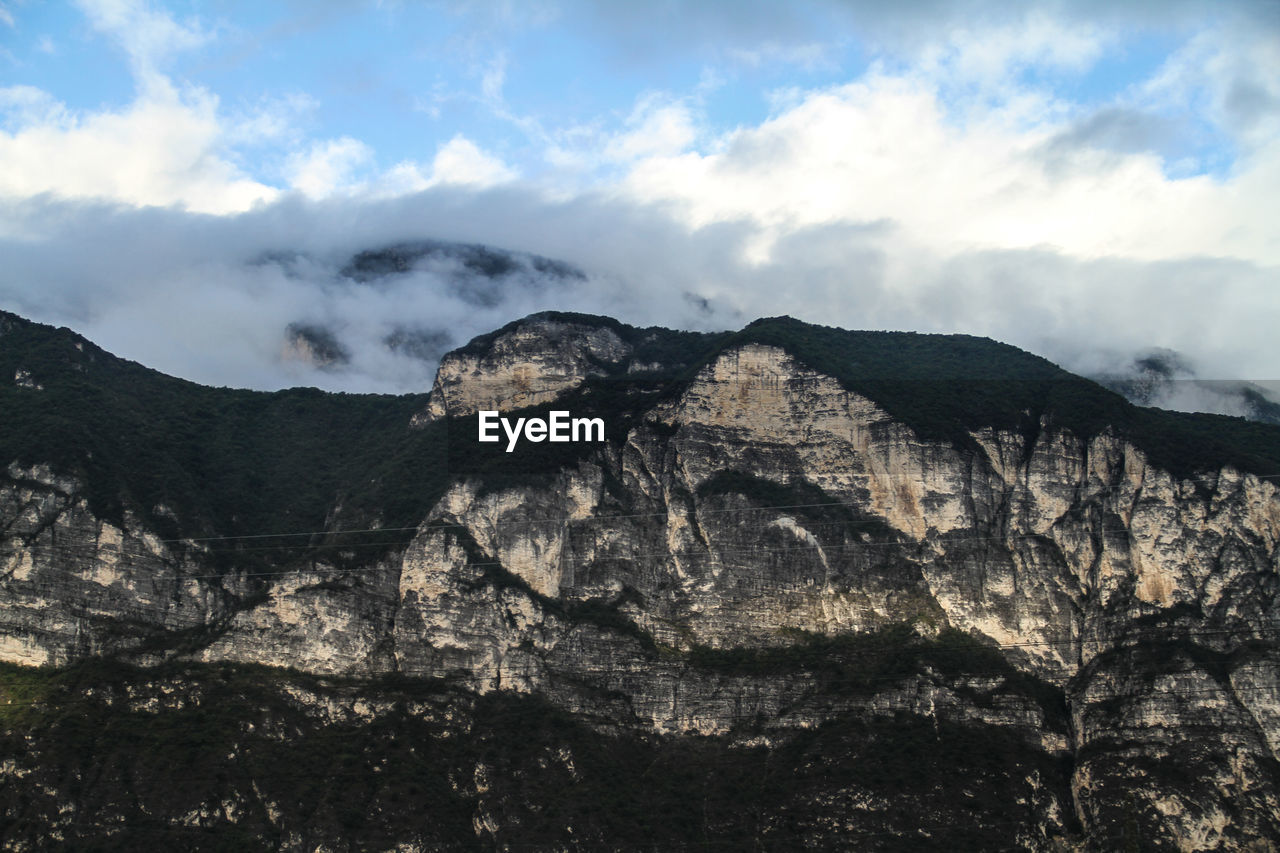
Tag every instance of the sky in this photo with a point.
(184, 183)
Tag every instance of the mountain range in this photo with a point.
(815, 589)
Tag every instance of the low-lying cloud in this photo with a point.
(956, 183)
(269, 299)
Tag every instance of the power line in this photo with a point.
(566, 518)
(741, 572)
(818, 547)
(573, 565)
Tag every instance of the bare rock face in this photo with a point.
(1128, 616)
(64, 569)
(530, 364)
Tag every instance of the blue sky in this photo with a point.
(523, 81)
(1087, 180)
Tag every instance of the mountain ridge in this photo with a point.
(945, 407)
(760, 567)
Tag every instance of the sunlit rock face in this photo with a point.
(531, 364)
(760, 505)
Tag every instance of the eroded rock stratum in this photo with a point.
(759, 562)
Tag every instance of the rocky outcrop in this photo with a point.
(533, 363)
(765, 553)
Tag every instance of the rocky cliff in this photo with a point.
(863, 590)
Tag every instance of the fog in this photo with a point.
(219, 299)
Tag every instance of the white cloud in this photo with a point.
(148, 36)
(166, 148)
(272, 118)
(174, 148)
(992, 56)
(807, 55)
(1227, 78)
(460, 161)
(169, 147)
(943, 190)
(657, 126)
(596, 153)
(192, 295)
(26, 105)
(328, 167)
(886, 149)
(495, 75)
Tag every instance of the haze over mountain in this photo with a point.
(378, 319)
(1087, 181)
(1164, 379)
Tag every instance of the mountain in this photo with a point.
(474, 275)
(812, 589)
(1163, 378)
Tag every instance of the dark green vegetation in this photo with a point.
(677, 352)
(103, 756)
(230, 758)
(862, 664)
(945, 385)
(804, 498)
(195, 461)
(324, 346)
(479, 260)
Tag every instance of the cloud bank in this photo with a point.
(211, 298)
(957, 181)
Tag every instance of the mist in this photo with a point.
(220, 300)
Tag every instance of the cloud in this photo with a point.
(26, 105)
(1165, 379)
(273, 118)
(950, 187)
(175, 148)
(807, 33)
(889, 148)
(460, 161)
(213, 298)
(1226, 76)
(493, 78)
(169, 147)
(149, 37)
(990, 55)
(327, 167)
(1113, 128)
(166, 148)
(657, 126)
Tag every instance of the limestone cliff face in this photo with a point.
(530, 364)
(762, 503)
(76, 585)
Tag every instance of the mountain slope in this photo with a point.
(877, 575)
